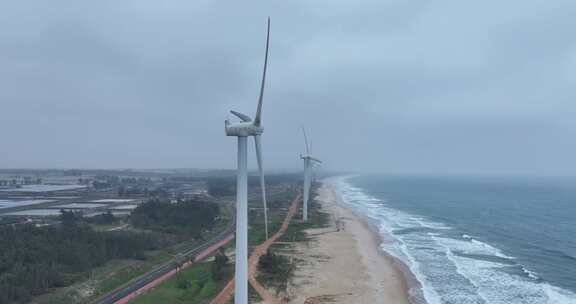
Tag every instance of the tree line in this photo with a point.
(35, 259)
(226, 185)
(184, 217)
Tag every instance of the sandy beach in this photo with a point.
(343, 263)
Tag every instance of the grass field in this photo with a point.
(191, 285)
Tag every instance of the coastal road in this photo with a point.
(226, 293)
(150, 279)
(262, 248)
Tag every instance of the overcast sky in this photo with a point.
(392, 86)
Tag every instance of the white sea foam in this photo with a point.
(453, 270)
(558, 295)
(530, 274)
(472, 246)
(430, 295)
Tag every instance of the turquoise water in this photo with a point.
(477, 240)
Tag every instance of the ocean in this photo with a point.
(476, 240)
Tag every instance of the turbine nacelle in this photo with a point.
(310, 157)
(242, 129)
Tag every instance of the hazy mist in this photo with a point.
(437, 87)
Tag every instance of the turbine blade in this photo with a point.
(310, 144)
(257, 119)
(243, 117)
(316, 160)
(257, 141)
(306, 141)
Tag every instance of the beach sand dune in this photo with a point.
(343, 263)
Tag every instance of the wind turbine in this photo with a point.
(308, 162)
(242, 130)
(313, 166)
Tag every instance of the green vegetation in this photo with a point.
(316, 219)
(195, 284)
(221, 186)
(103, 219)
(183, 217)
(36, 259)
(219, 265)
(114, 274)
(226, 186)
(278, 203)
(276, 270)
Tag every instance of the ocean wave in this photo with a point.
(530, 274)
(473, 246)
(453, 269)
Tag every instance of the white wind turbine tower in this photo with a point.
(242, 130)
(308, 162)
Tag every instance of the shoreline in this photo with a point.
(345, 263)
(412, 286)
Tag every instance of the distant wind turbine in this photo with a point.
(242, 130)
(308, 162)
(314, 166)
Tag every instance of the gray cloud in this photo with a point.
(391, 86)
